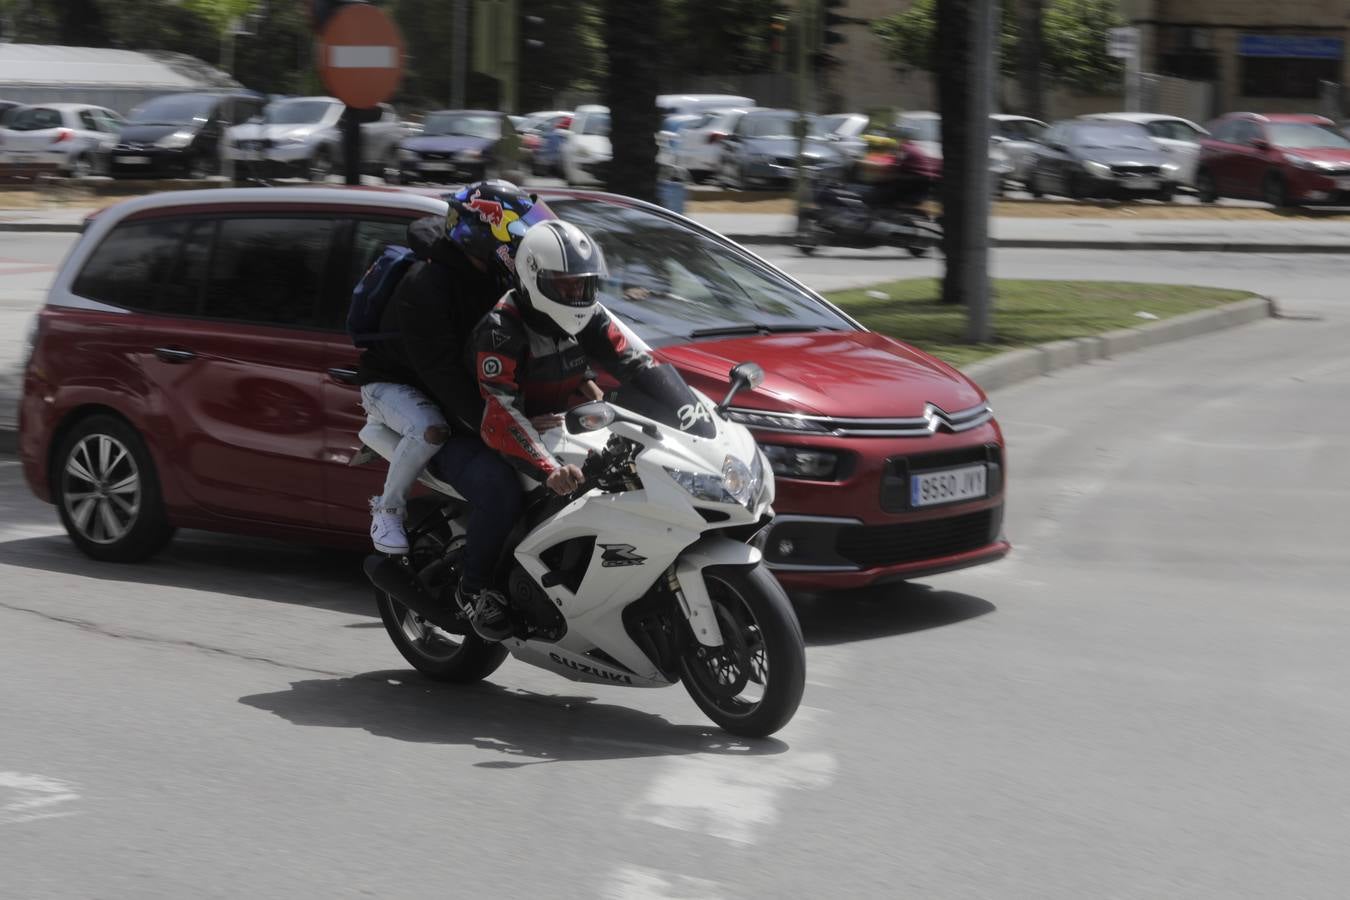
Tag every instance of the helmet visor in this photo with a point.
(568, 288)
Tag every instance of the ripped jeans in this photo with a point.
(421, 427)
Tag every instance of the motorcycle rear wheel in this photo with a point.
(753, 683)
(459, 658)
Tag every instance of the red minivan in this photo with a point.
(191, 369)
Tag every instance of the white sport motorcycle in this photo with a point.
(644, 577)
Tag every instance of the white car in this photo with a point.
(684, 104)
(73, 138)
(1179, 137)
(1018, 137)
(586, 150)
(699, 151)
(285, 140)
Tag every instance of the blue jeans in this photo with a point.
(494, 493)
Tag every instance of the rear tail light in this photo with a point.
(715, 136)
(64, 134)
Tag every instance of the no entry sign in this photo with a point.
(361, 55)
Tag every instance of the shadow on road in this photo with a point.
(236, 566)
(523, 727)
(883, 611)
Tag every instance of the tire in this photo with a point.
(755, 616)
(82, 166)
(1274, 192)
(1205, 188)
(808, 234)
(321, 166)
(390, 170)
(1034, 186)
(107, 492)
(440, 655)
(1074, 186)
(1166, 194)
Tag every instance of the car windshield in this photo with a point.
(673, 284)
(778, 125)
(176, 109)
(462, 125)
(661, 394)
(824, 125)
(596, 124)
(1306, 136)
(33, 118)
(298, 112)
(924, 129)
(1110, 137)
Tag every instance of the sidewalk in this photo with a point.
(1293, 236)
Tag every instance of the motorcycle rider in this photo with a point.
(531, 353)
(415, 383)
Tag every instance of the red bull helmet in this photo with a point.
(487, 220)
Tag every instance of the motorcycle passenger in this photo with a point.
(415, 383)
(531, 354)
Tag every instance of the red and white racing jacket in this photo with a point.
(523, 374)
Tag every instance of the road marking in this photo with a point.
(27, 798)
(638, 883)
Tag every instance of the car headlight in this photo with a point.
(405, 153)
(775, 422)
(1170, 167)
(176, 141)
(469, 155)
(1101, 170)
(291, 140)
(582, 153)
(798, 462)
(1301, 162)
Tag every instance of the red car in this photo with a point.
(190, 369)
(1283, 159)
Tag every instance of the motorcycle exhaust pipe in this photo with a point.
(396, 577)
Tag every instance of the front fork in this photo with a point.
(685, 580)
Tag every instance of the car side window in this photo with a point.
(87, 120)
(269, 271)
(138, 266)
(1246, 133)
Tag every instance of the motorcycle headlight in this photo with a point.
(737, 483)
(738, 480)
(176, 141)
(1101, 170)
(701, 486)
(797, 462)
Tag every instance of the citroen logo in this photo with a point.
(936, 417)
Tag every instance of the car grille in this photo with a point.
(895, 477)
(135, 145)
(1134, 170)
(871, 546)
(427, 155)
(934, 419)
(786, 161)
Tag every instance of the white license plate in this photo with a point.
(1142, 184)
(134, 160)
(947, 485)
(1343, 184)
(436, 167)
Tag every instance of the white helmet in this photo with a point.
(558, 273)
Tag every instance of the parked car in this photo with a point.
(381, 134)
(700, 149)
(1084, 158)
(289, 139)
(668, 140)
(586, 151)
(1178, 136)
(547, 157)
(179, 134)
(843, 131)
(190, 369)
(682, 104)
(1017, 137)
(1282, 159)
(462, 145)
(761, 151)
(72, 138)
(532, 133)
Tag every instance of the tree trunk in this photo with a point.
(965, 44)
(633, 47)
(1030, 51)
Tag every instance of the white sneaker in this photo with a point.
(386, 530)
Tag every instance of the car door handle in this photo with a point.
(346, 376)
(174, 355)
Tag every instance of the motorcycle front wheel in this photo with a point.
(753, 683)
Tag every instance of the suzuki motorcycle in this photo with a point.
(643, 577)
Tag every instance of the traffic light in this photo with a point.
(534, 32)
(832, 20)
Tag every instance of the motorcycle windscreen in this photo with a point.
(661, 394)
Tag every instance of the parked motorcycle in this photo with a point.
(644, 577)
(843, 213)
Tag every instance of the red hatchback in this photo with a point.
(1283, 159)
(190, 369)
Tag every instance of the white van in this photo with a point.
(684, 104)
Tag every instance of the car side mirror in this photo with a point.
(1260, 144)
(744, 375)
(589, 417)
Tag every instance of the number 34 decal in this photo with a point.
(691, 414)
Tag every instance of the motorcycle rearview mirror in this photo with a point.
(589, 417)
(744, 375)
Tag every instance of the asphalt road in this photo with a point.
(1145, 700)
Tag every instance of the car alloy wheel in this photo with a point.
(1274, 192)
(101, 489)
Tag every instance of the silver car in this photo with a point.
(70, 138)
(300, 137)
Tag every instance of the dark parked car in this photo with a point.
(179, 134)
(191, 369)
(762, 150)
(461, 145)
(1281, 159)
(1089, 158)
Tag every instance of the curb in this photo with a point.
(1022, 365)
